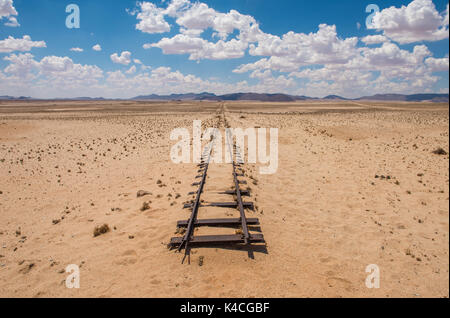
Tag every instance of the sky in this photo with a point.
(122, 49)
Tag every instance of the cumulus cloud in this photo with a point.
(7, 8)
(151, 19)
(12, 44)
(199, 48)
(374, 39)
(131, 70)
(56, 76)
(124, 58)
(8, 11)
(419, 21)
(54, 67)
(12, 22)
(377, 70)
(193, 19)
(321, 47)
(76, 49)
(97, 47)
(21, 65)
(437, 65)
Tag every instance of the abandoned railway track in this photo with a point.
(243, 235)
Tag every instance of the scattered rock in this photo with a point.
(99, 230)
(440, 151)
(180, 230)
(142, 193)
(56, 221)
(201, 259)
(131, 237)
(27, 268)
(145, 206)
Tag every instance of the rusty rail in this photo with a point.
(246, 237)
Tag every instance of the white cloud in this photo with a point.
(419, 21)
(56, 67)
(374, 39)
(151, 19)
(131, 70)
(55, 76)
(390, 55)
(21, 65)
(76, 49)
(52, 76)
(8, 11)
(97, 47)
(199, 48)
(321, 47)
(437, 65)
(193, 20)
(12, 22)
(124, 58)
(376, 70)
(137, 61)
(7, 8)
(11, 44)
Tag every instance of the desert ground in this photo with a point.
(357, 184)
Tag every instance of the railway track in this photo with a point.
(241, 224)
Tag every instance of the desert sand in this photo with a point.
(357, 184)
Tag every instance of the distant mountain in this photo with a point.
(335, 97)
(227, 97)
(304, 97)
(189, 96)
(258, 97)
(85, 98)
(437, 98)
(6, 97)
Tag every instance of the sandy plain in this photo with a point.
(357, 184)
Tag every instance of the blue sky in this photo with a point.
(405, 57)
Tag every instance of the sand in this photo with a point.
(67, 167)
